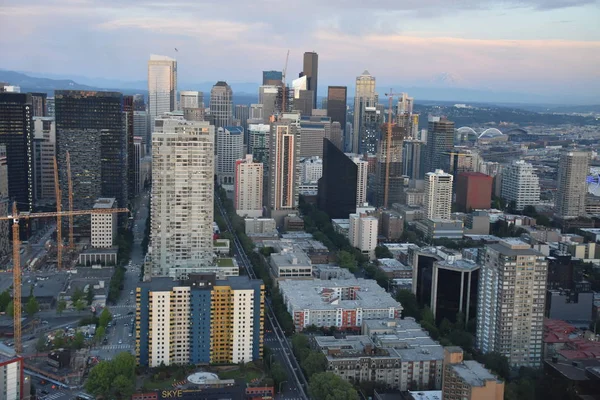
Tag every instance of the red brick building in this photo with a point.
(473, 191)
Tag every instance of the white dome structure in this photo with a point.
(490, 133)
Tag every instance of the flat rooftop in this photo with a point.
(391, 265)
(473, 373)
(290, 259)
(426, 395)
(458, 265)
(314, 294)
(514, 247)
(105, 202)
(163, 284)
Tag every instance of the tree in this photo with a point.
(32, 306)
(90, 295)
(99, 335)
(80, 305)
(4, 300)
(300, 346)
(104, 318)
(409, 303)
(497, 363)
(40, 345)
(329, 386)
(347, 260)
(78, 341)
(427, 316)
(77, 295)
(315, 363)
(59, 341)
(278, 374)
(114, 378)
(383, 252)
(61, 306)
(10, 309)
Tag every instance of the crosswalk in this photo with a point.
(116, 347)
(121, 306)
(53, 396)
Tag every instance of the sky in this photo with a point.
(529, 46)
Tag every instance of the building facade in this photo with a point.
(16, 134)
(182, 196)
(44, 142)
(248, 193)
(337, 108)
(230, 148)
(190, 99)
(511, 302)
(364, 96)
(13, 382)
(573, 169)
(221, 104)
(473, 191)
(162, 86)
(211, 321)
(440, 140)
(91, 127)
(520, 185)
(104, 226)
(362, 233)
(438, 195)
(311, 70)
(313, 131)
(468, 379)
(259, 136)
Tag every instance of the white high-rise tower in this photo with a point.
(438, 194)
(182, 196)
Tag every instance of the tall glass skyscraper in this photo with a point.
(364, 97)
(162, 86)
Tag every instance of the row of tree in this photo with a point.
(113, 379)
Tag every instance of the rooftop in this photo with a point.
(234, 130)
(458, 265)
(473, 373)
(391, 265)
(225, 262)
(513, 247)
(426, 395)
(105, 202)
(290, 259)
(318, 294)
(164, 284)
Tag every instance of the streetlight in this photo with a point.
(271, 360)
(280, 383)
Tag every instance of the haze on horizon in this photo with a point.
(535, 46)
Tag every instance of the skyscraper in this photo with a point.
(182, 196)
(311, 70)
(16, 134)
(44, 142)
(221, 104)
(162, 86)
(242, 114)
(412, 159)
(4, 204)
(511, 302)
(284, 169)
(438, 195)
(38, 104)
(259, 136)
(388, 172)
(337, 135)
(230, 148)
(129, 126)
(573, 169)
(343, 186)
(217, 321)
(364, 97)
(272, 78)
(191, 99)
(268, 97)
(336, 105)
(248, 194)
(141, 127)
(313, 130)
(91, 126)
(440, 139)
(520, 185)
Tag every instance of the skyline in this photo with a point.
(531, 46)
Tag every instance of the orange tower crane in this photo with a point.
(15, 217)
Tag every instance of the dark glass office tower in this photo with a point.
(336, 106)
(440, 140)
(311, 70)
(16, 133)
(38, 102)
(338, 185)
(272, 78)
(92, 127)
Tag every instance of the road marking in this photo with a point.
(116, 346)
(54, 396)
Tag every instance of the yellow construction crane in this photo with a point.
(15, 217)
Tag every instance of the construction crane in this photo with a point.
(15, 217)
(283, 84)
(386, 193)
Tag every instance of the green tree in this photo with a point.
(114, 378)
(61, 306)
(78, 341)
(104, 318)
(329, 386)
(99, 335)
(40, 345)
(497, 363)
(5, 299)
(300, 346)
(77, 295)
(347, 260)
(445, 327)
(90, 295)
(80, 305)
(409, 303)
(427, 316)
(278, 374)
(314, 363)
(32, 306)
(383, 252)
(10, 309)
(59, 341)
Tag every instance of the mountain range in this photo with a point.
(444, 87)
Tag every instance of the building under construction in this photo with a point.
(394, 184)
